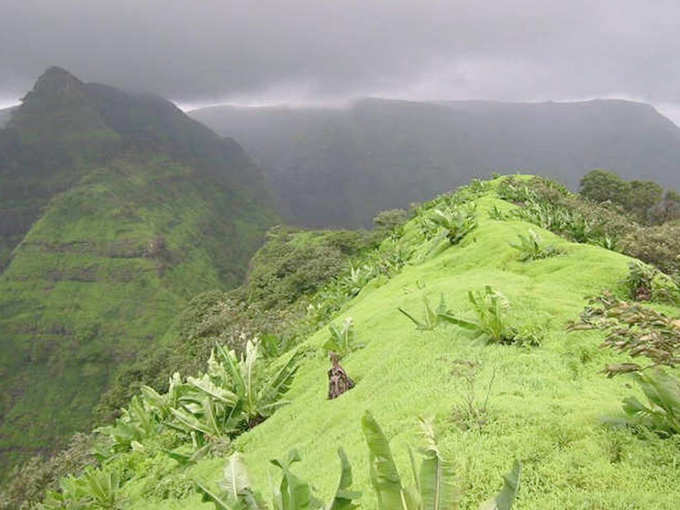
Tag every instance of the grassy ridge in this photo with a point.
(97, 281)
(546, 404)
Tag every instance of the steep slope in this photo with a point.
(545, 404)
(341, 166)
(5, 115)
(115, 209)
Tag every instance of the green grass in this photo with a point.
(83, 295)
(546, 406)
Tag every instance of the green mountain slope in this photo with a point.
(115, 209)
(546, 404)
(339, 166)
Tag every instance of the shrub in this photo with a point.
(639, 281)
(659, 246)
(390, 221)
(235, 491)
(27, 483)
(432, 317)
(531, 248)
(551, 206)
(489, 306)
(456, 223)
(342, 341)
(435, 483)
(662, 412)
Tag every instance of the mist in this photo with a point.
(210, 52)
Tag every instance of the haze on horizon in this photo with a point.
(314, 53)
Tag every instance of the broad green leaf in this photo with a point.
(437, 478)
(384, 475)
(343, 499)
(506, 497)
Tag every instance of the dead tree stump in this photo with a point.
(338, 380)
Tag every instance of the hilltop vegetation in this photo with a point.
(340, 166)
(115, 210)
(510, 263)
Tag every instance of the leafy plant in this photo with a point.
(95, 489)
(435, 487)
(342, 341)
(258, 396)
(496, 214)
(530, 247)
(662, 412)
(457, 222)
(291, 493)
(432, 317)
(490, 306)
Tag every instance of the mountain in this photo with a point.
(340, 166)
(115, 209)
(528, 390)
(5, 115)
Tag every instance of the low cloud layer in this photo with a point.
(259, 51)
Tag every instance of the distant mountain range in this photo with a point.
(340, 166)
(115, 210)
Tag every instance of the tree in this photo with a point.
(642, 196)
(602, 185)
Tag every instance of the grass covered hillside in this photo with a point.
(493, 366)
(109, 225)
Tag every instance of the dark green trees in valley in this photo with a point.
(115, 209)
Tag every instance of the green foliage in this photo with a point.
(391, 221)
(491, 326)
(435, 487)
(28, 482)
(432, 317)
(109, 200)
(553, 207)
(291, 493)
(531, 248)
(95, 489)
(644, 199)
(603, 185)
(662, 412)
(639, 281)
(342, 341)
(295, 263)
(455, 222)
(659, 245)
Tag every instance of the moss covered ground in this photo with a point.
(547, 405)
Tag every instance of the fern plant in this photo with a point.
(530, 247)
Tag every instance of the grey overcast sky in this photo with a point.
(316, 51)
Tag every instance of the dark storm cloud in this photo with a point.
(212, 50)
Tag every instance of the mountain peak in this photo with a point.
(57, 84)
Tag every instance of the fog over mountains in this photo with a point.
(339, 166)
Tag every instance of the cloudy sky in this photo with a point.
(198, 52)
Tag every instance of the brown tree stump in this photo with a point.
(338, 380)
